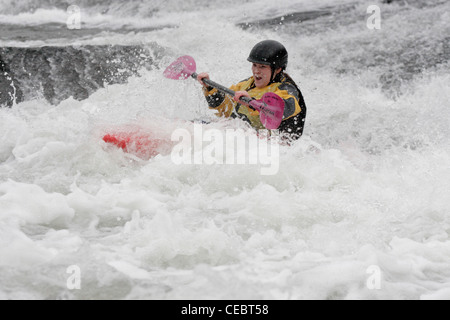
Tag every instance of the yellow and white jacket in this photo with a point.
(294, 111)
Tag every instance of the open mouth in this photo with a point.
(258, 78)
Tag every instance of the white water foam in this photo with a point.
(367, 185)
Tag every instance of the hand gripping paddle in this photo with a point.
(270, 106)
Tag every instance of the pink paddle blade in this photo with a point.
(271, 108)
(180, 69)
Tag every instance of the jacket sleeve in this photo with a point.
(293, 102)
(217, 100)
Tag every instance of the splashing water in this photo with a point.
(359, 207)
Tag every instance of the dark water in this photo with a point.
(397, 59)
(57, 73)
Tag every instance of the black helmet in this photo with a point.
(269, 52)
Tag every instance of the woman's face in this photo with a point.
(261, 73)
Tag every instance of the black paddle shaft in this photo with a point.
(221, 87)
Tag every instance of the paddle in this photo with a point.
(270, 106)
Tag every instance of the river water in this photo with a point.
(357, 209)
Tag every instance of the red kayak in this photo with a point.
(144, 145)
